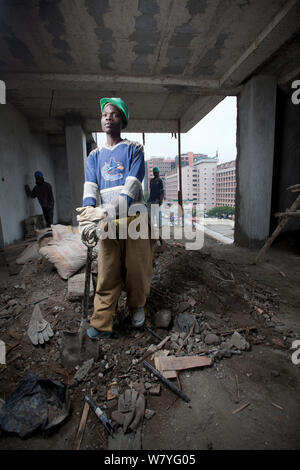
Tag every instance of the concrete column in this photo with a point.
(255, 155)
(63, 201)
(76, 158)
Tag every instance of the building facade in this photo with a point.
(226, 184)
(198, 182)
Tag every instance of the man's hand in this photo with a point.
(27, 190)
(91, 214)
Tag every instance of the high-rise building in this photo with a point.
(171, 186)
(226, 184)
(198, 182)
(189, 158)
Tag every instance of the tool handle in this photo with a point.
(100, 414)
(87, 282)
(97, 410)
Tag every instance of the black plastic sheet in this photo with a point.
(37, 404)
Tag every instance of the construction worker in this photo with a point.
(113, 185)
(156, 197)
(43, 191)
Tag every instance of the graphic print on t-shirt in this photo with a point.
(112, 170)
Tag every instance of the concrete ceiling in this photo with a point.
(168, 59)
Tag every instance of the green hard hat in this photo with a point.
(156, 170)
(119, 103)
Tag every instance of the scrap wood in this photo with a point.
(185, 339)
(277, 406)
(239, 330)
(259, 310)
(287, 214)
(82, 424)
(241, 408)
(237, 387)
(278, 229)
(173, 363)
(112, 391)
(295, 188)
(178, 381)
(60, 371)
(11, 347)
(153, 350)
(100, 436)
(279, 343)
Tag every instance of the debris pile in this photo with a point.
(200, 311)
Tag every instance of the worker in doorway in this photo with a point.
(156, 197)
(43, 191)
(113, 185)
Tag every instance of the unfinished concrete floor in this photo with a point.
(230, 293)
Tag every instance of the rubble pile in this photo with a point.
(199, 307)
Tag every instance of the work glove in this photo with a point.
(131, 408)
(91, 214)
(39, 330)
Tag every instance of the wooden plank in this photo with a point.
(156, 348)
(287, 214)
(276, 232)
(173, 363)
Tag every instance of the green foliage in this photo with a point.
(222, 211)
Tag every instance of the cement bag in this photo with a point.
(65, 250)
(29, 254)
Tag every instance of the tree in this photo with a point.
(223, 211)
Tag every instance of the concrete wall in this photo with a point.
(63, 191)
(255, 156)
(76, 158)
(21, 154)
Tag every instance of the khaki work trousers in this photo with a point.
(122, 265)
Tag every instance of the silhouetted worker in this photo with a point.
(156, 196)
(43, 191)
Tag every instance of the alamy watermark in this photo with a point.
(296, 355)
(2, 92)
(2, 352)
(180, 223)
(296, 94)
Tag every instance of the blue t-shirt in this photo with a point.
(115, 171)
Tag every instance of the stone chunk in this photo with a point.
(76, 287)
(162, 318)
(211, 338)
(238, 341)
(84, 370)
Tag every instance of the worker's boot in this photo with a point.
(138, 317)
(97, 334)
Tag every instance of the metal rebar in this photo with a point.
(166, 381)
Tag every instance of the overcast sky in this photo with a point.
(217, 131)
